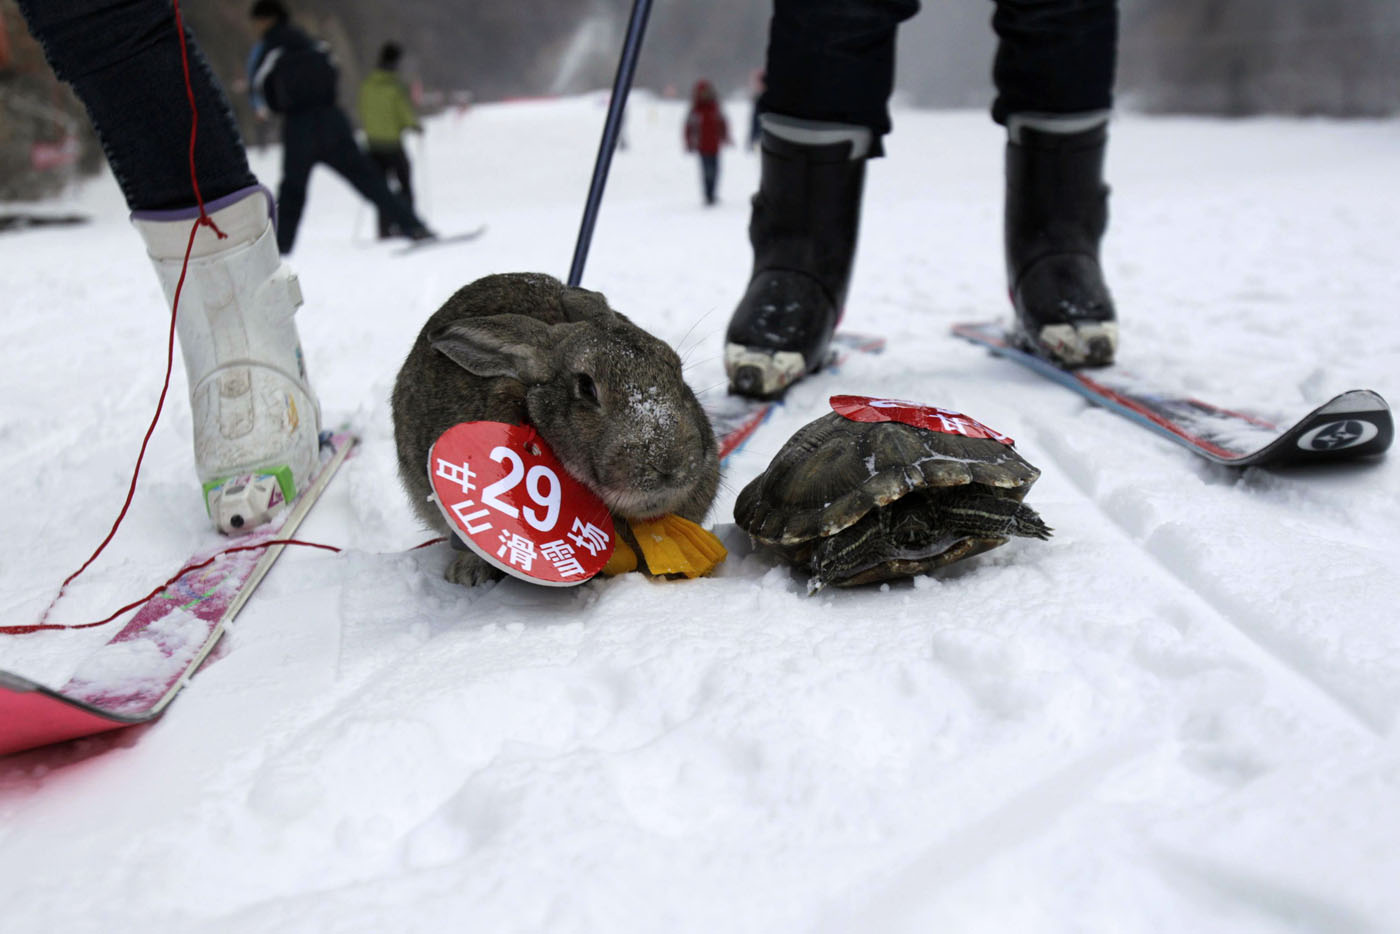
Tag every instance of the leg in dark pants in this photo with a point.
(709, 175)
(403, 174)
(393, 166)
(122, 57)
(1054, 56)
(341, 154)
(299, 156)
(833, 60)
(324, 135)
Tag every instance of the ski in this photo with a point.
(414, 246)
(177, 629)
(24, 221)
(735, 418)
(1356, 423)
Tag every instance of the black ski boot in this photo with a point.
(803, 230)
(1056, 212)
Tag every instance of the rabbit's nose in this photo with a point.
(663, 472)
(670, 471)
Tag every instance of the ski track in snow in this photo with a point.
(1178, 714)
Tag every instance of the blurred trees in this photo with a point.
(1226, 57)
(45, 138)
(1236, 57)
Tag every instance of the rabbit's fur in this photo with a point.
(607, 397)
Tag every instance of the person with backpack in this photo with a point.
(385, 113)
(295, 77)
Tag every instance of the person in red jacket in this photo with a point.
(705, 132)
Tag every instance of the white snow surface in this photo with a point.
(1180, 714)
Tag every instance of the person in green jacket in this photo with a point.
(385, 112)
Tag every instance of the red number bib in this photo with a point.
(513, 503)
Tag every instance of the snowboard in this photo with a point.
(137, 673)
(415, 246)
(1356, 423)
(735, 418)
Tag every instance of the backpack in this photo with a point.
(296, 76)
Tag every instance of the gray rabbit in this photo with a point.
(607, 397)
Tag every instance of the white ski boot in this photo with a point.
(256, 419)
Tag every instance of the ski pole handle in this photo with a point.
(622, 84)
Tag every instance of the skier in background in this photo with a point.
(829, 74)
(256, 418)
(385, 113)
(296, 78)
(705, 132)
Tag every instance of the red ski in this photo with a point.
(1356, 423)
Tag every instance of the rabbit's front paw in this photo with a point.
(469, 570)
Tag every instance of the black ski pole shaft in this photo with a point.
(612, 127)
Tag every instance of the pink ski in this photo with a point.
(137, 673)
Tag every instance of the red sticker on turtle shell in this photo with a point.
(515, 505)
(875, 409)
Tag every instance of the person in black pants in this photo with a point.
(829, 73)
(295, 77)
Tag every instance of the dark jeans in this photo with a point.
(393, 165)
(709, 175)
(122, 58)
(833, 60)
(324, 135)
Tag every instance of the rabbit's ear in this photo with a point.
(499, 345)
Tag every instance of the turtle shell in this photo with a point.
(834, 473)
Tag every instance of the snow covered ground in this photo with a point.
(1180, 714)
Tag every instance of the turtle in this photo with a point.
(855, 502)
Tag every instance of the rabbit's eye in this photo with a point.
(583, 386)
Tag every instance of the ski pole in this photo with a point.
(626, 67)
(423, 189)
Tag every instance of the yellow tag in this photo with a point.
(672, 545)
